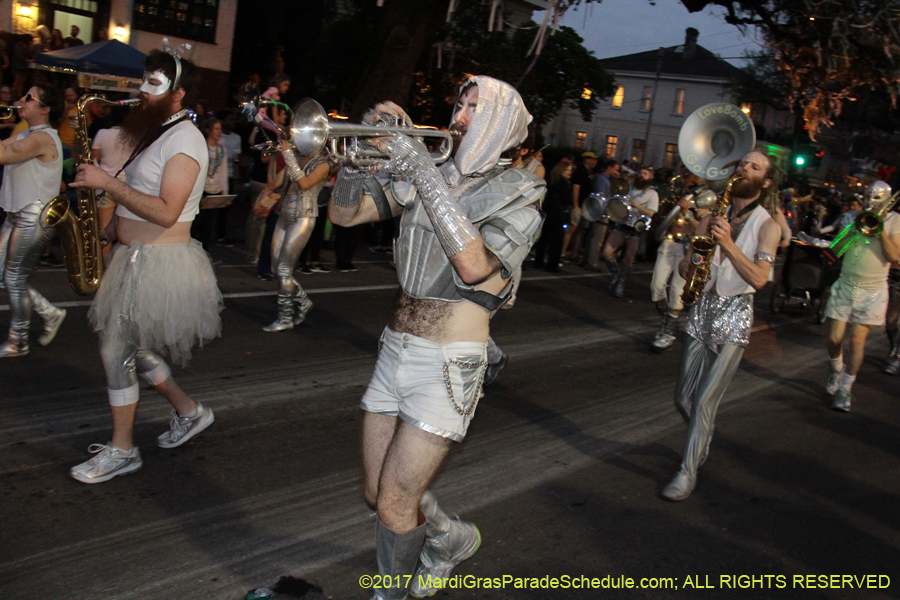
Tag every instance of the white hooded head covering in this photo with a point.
(500, 122)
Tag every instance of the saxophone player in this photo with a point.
(718, 325)
(159, 292)
(32, 175)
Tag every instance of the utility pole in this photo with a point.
(662, 53)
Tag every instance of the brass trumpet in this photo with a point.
(7, 111)
(250, 103)
(311, 130)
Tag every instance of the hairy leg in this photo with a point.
(378, 431)
(412, 461)
(856, 348)
(834, 341)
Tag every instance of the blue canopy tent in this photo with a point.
(110, 57)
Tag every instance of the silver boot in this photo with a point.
(681, 486)
(285, 318)
(397, 555)
(620, 282)
(52, 316)
(665, 337)
(893, 360)
(302, 308)
(613, 266)
(15, 345)
(448, 542)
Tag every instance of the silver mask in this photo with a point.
(500, 122)
(877, 193)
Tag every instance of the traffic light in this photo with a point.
(800, 160)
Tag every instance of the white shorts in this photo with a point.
(853, 303)
(431, 386)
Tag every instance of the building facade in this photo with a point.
(207, 25)
(656, 91)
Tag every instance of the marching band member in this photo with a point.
(465, 227)
(296, 220)
(31, 178)
(718, 325)
(159, 293)
(859, 298)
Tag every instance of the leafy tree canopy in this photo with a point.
(826, 51)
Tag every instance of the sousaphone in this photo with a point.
(711, 143)
(714, 139)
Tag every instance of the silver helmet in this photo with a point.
(500, 122)
(877, 193)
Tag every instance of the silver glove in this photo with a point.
(291, 166)
(409, 157)
(348, 187)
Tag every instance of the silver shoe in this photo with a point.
(441, 554)
(680, 487)
(664, 342)
(893, 366)
(109, 462)
(52, 321)
(842, 401)
(493, 369)
(833, 383)
(13, 347)
(302, 307)
(181, 429)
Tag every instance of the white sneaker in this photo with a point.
(181, 429)
(109, 462)
(834, 382)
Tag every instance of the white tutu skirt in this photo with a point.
(160, 297)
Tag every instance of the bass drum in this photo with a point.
(618, 209)
(593, 208)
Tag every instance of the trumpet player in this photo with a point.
(859, 299)
(32, 174)
(296, 220)
(465, 227)
(718, 324)
(159, 292)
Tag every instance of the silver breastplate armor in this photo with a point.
(423, 269)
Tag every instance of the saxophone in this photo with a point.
(703, 249)
(79, 235)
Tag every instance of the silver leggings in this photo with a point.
(124, 361)
(21, 241)
(703, 378)
(288, 241)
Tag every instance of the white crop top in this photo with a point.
(145, 172)
(31, 180)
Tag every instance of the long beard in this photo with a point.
(642, 184)
(457, 132)
(142, 124)
(747, 188)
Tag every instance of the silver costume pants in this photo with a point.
(703, 378)
(288, 241)
(124, 361)
(21, 241)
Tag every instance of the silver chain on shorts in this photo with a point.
(463, 364)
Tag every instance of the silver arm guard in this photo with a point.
(451, 226)
(291, 166)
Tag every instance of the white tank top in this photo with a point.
(724, 278)
(25, 182)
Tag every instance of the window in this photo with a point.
(648, 95)
(619, 97)
(611, 142)
(671, 155)
(580, 139)
(637, 151)
(678, 109)
(194, 19)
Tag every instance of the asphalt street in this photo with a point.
(562, 468)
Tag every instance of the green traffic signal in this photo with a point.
(799, 161)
